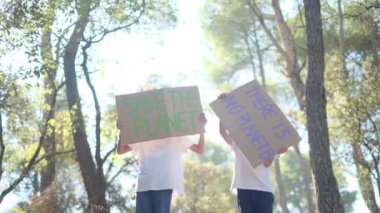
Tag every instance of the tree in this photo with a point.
(328, 196)
(14, 104)
(92, 174)
(50, 72)
(351, 81)
(36, 21)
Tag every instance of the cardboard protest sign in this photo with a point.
(255, 122)
(160, 113)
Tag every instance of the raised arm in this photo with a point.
(222, 130)
(200, 146)
(224, 133)
(121, 147)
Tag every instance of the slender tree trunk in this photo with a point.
(365, 182)
(306, 177)
(48, 187)
(290, 55)
(94, 183)
(259, 53)
(2, 146)
(342, 44)
(280, 186)
(375, 37)
(328, 196)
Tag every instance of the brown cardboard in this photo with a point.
(159, 113)
(255, 122)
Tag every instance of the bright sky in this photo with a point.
(128, 60)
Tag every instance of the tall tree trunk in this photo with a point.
(328, 196)
(306, 174)
(95, 184)
(2, 146)
(375, 37)
(342, 44)
(259, 53)
(280, 186)
(364, 176)
(250, 53)
(48, 187)
(290, 55)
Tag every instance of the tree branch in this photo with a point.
(31, 162)
(256, 11)
(98, 158)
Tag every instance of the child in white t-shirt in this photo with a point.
(161, 169)
(252, 185)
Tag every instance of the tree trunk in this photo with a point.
(259, 53)
(48, 187)
(306, 174)
(365, 182)
(375, 45)
(280, 186)
(2, 146)
(95, 184)
(290, 55)
(328, 196)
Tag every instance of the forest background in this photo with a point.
(63, 61)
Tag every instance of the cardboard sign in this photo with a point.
(160, 113)
(255, 122)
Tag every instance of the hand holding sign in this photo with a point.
(119, 124)
(255, 122)
(282, 150)
(202, 119)
(160, 113)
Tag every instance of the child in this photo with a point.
(161, 170)
(252, 185)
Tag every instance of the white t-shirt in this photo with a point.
(160, 163)
(247, 177)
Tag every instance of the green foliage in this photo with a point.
(292, 178)
(353, 88)
(207, 182)
(8, 90)
(207, 189)
(17, 210)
